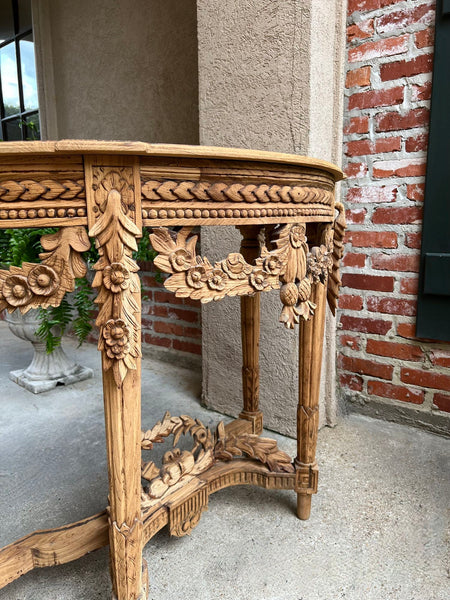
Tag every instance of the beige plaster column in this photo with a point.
(270, 77)
(117, 70)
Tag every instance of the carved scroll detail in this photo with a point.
(195, 277)
(334, 281)
(42, 285)
(116, 277)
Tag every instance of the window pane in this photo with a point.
(24, 15)
(8, 72)
(32, 131)
(13, 130)
(29, 87)
(6, 20)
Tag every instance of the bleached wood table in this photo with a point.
(292, 239)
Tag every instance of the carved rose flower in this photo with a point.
(217, 279)
(43, 280)
(196, 276)
(297, 236)
(16, 290)
(273, 264)
(181, 259)
(116, 277)
(116, 335)
(235, 266)
(258, 279)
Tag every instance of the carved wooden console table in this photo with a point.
(292, 231)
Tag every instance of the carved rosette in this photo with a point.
(116, 272)
(45, 284)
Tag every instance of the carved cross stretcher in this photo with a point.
(292, 232)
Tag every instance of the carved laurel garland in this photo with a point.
(47, 189)
(45, 284)
(116, 277)
(178, 465)
(289, 262)
(172, 191)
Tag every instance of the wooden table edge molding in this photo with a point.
(292, 240)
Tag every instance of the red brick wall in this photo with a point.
(388, 86)
(168, 323)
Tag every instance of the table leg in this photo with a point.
(113, 194)
(310, 362)
(250, 326)
(123, 436)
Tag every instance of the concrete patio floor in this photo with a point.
(378, 529)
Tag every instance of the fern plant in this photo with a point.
(24, 245)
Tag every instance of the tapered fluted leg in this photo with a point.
(123, 436)
(114, 222)
(250, 325)
(310, 361)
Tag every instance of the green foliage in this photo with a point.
(83, 303)
(23, 245)
(54, 321)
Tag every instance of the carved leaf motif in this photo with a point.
(264, 450)
(45, 284)
(116, 277)
(334, 280)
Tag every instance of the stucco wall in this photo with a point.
(269, 78)
(120, 70)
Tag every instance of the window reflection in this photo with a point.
(10, 84)
(28, 65)
(19, 109)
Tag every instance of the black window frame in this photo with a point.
(26, 131)
(433, 309)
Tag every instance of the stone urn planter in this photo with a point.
(45, 371)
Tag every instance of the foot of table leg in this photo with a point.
(310, 362)
(303, 506)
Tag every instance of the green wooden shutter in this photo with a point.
(433, 311)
